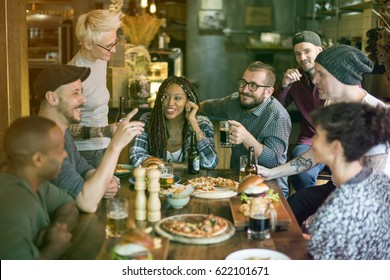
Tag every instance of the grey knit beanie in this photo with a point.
(347, 64)
(307, 37)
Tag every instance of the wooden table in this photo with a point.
(89, 240)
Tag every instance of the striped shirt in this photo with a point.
(270, 124)
(208, 156)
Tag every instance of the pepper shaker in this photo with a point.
(154, 204)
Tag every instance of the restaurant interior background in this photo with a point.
(214, 40)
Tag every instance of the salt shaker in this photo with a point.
(140, 197)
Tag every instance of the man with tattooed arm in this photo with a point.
(338, 75)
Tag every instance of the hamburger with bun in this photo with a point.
(135, 244)
(252, 185)
(152, 163)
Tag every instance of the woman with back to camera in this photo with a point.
(169, 126)
(97, 34)
(354, 221)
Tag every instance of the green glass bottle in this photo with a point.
(193, 156)
(251, 167)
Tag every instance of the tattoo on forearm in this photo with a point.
(301, 163)
(107, 131)
(96, 132)
(75, 130)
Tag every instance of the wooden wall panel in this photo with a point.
(14, 91)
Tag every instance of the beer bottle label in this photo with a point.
(196, 164)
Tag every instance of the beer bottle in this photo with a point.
(121, 112)
(251, 167)
(193, 156)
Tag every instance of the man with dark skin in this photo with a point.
(36, 217)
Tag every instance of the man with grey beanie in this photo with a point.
(297, 86)
(338, 75)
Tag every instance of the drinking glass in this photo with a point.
(224, 135)
(262, 219)
(117, 217)
(166, 177)
(243, 163)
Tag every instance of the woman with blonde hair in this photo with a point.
(97, 35)
(169, 126)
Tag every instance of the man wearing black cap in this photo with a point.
(297, 87)
(59, 90)
(338, 75)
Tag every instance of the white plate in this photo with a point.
(219, 193)
(257, 254)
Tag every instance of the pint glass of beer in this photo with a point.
(262, 219)
(117, 213)
(243, 163)
(224, 135)
(166, 177)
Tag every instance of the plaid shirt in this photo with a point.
(207, 153)
(270, 124)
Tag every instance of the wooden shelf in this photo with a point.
(342, 10)
(268, 48)
(357, 7)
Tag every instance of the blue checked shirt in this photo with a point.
(207, 153)
(270, 124)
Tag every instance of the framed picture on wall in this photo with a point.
(211, 4)
(212, 20)
(258, 16)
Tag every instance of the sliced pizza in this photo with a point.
(208, 184)
(226, 183)
(202, 184)
(209, 226)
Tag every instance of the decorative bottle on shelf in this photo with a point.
(251, 167)
(121, 111)
(139, 90)
(193, 156)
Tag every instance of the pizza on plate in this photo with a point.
(208, 184)
(226, 183)
(206, 227)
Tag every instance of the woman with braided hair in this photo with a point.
(169, 126)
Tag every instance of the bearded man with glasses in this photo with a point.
(256, 119)
(97, 35)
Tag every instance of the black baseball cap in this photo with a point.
(53, 77)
